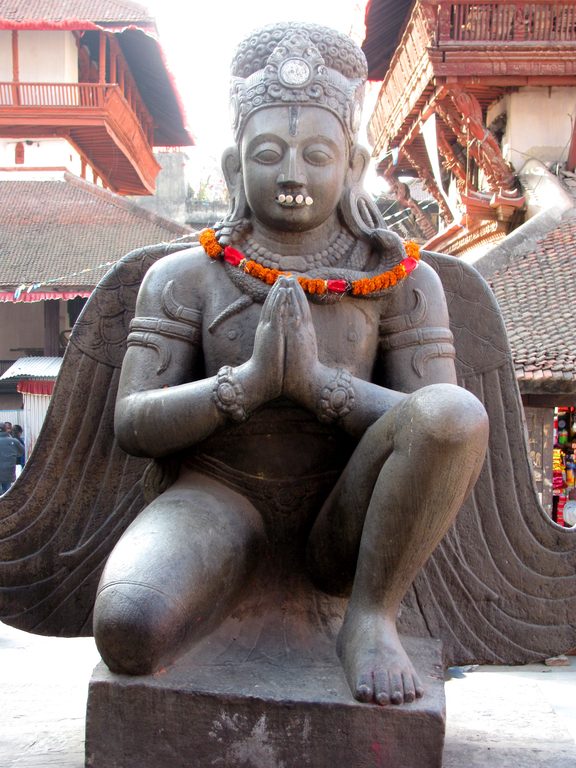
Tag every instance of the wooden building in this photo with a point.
(471, 91)
(87, 80)
(478, 99)
(85, 98)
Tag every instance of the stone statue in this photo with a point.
(196, 375)
(294, 380)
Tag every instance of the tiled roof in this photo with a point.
(537, 295)
(85, 10)
(54, 229)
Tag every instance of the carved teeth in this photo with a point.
(294, 201)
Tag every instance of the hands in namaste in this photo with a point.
(285, 356)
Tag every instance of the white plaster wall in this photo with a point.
(47, 153)
(5, 55)
(22, 326)
(539, 124)
(48, 57)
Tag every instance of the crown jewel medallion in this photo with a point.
(294, 72)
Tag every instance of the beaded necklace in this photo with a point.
(312, 286)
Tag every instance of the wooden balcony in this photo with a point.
(112, 132)
(488, 48)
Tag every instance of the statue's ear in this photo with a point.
(359, 160)
(232, 169)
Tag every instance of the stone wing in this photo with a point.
(79, 490)
(501, 588)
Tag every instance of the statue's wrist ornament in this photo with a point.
(337, 397)
(228, 394)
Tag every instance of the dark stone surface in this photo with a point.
(261, 715)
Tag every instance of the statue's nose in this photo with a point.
(292, 172)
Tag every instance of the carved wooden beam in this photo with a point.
(450, 160)
(403, 196)
(430, 184)
(480, 141)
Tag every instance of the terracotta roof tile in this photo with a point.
(537, 295)
(85, 10)
(53, 229)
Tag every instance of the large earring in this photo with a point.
(360, 213)
(237, 218)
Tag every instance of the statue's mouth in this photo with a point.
(294, 201)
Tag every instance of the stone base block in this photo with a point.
(260, 715)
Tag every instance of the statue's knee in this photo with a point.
(135, 626)
(445, 414)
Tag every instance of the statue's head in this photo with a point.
(296, 100)
(298, 65)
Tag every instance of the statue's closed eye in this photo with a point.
(267, 155)
(317, 156)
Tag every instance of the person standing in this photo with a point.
(11, 450)
(18, 433)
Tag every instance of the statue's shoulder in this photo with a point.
(419, 301)
(425, 279)
(188, 270)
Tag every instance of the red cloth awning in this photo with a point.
(35, 387)
(43, 295)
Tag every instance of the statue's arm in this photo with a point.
(164, 402)
(415, 350)
(415, 342)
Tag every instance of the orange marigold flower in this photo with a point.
(208, 241)
(412, 249)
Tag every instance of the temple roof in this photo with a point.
(536, 295)
(136, 32)
(66, 10)
(385, 21)
(65, 233)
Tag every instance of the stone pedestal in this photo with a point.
(259, 714)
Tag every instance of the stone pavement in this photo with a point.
(498, 717)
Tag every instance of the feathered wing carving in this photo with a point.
(501, 588)
(79, 490)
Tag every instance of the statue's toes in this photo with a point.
(364, 690)
(381, 687)
(409, 686)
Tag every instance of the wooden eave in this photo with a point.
(104, 129)
(453, 60)
(145, 57)
(426, 60)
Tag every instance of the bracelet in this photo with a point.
(337, 397)
(228, 394)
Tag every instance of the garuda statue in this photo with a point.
(289, 415)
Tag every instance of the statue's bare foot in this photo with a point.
(376, 665)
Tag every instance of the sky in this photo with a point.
(199, 39)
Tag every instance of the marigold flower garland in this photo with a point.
(361, 287)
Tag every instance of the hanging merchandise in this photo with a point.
(563, 460)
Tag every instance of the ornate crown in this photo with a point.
(298, 64)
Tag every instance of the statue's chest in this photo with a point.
(346, 332)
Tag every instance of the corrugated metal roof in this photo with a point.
(33, 368)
